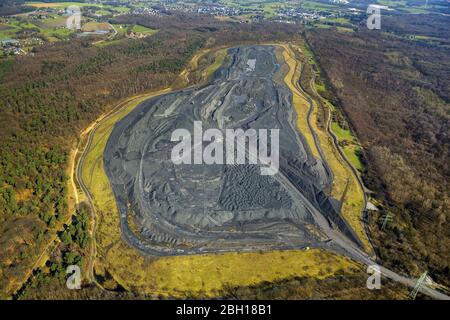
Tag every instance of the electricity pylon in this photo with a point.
(418, 285)
(388, 217)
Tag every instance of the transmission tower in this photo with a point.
(418, 285)
(388, 217)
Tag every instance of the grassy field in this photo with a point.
(339, 20)
(338, 28)
(7, 31)
(300, 103)
(56, 5)
(345, 185)
(346, 188)
(186, 276)
(351, 147)
(55, 34)
(52, 28)
(38, 4)
(55, 21)
(141, 29)
(93, 26)
(267, 7)
(219, 57)
(122, 30)
(201, 67)
(309, 4)
(109, 42)
(14, 25)
(403, 5)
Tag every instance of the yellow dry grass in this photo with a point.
(207, 275)
(345, 186)
(192, 69)
(43, 5)
(93, 26)
(219, 57)
(300, 104)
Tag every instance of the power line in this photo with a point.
(388, 217)
(418, 285)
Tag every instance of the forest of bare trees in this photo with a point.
(396, 94)
(49, 97)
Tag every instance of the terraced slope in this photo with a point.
(198, 208)
(118, 265)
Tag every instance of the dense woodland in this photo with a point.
(10, 7)
(396, 94)
(48, 98)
